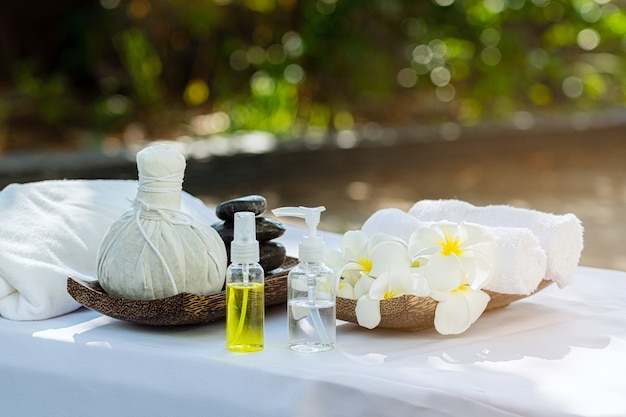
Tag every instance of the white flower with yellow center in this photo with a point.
(458, 267)
(398, 281)
(361, 259)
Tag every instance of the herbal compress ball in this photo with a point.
(156, 250)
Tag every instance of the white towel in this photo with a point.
(50, 230)
(436, 210)
(392, 221)
(519, 261)
(561, 236)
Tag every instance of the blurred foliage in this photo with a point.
(300, 68)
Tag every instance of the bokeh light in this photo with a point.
(440, 76)
(406, 77)
(445, 93)
(139, 9)
(293, 45)
(239, 60)
(262, 84)
(572, 86)
(491, 56)
(588, 39)
(490, 37)
(109, 4)
(196, 92)
(422, 54)
(294, 74)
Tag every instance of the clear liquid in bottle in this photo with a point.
(311, 325)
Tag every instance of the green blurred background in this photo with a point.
(74, 73)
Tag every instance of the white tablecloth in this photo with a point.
(557, 353)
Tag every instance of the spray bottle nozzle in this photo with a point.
(311, 246)
(244, 247)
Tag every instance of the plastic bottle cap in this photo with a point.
(244, 248)
(311, 248)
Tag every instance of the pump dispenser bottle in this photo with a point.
(311, 293)
(245, 298)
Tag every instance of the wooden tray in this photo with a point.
(180, 309)
(411, 313)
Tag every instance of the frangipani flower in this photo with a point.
(351, 257)
(345, 290)
(394, 283)
(468, 245)
(361, 256)
(460, 310)
(363, 286)
(458, 267)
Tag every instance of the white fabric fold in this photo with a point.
(519, 261)
(561, 236)
(50, 230)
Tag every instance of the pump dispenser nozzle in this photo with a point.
(311, 246)
(244, 248)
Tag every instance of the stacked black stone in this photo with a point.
(272, 254)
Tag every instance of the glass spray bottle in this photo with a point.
(245, 298)
(311, 289)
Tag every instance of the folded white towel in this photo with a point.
(561, 236)
(519, 261)
(50, 230)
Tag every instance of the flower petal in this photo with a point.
(353, 245)
(379, 287)
(394, 283)
(346, 290)
(363, 285)
(448, 229)
(420, 285)
(352, 266)
(368, 312)
(388, 255)
(477, 301)
(452, 316)
(424, 241)
(381, 237)
(443, 272)
(474, 234)
(334, 259)
(462, 308)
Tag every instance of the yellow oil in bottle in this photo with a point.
(245, 316)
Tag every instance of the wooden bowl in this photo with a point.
(180, 309)
(411, 313)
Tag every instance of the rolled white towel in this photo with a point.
(561, 236)
(519, 261)
(436, 210)
(50, 230)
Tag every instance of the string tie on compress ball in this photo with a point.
(171, 183)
